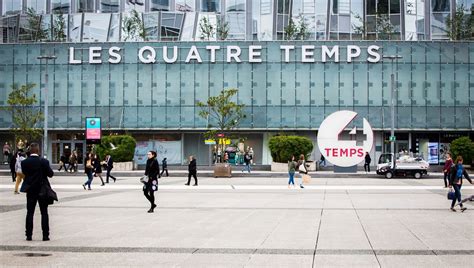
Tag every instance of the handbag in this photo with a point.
(302, 167)
(144, 179)
(46, 192)
(451, 194)
(89, 164)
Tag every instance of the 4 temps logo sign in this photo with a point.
(337, 150)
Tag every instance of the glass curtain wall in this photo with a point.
(262, 20)
(60, 6)
(159, 5)
(211, 6)
(383, 20)
(440, 11)
(236, 19)
(415, 20)
(11, 7)
(282, 17)
(85, 6)
(109, 6)
(39, 6)
(185, 5)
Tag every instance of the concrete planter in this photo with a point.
(222, 170)
(123, 166)
(283, 167)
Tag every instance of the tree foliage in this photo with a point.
(464, 147)
(120, 147)
(223, 114)
(26, 114)
(133, 27)
(460, 27)
(36, 32)
(59, 27)
(283, 147)
(298, 30)
(207, 29)
(222, 29)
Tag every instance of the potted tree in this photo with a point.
(283, 147)
(121, 148)
(223, 116)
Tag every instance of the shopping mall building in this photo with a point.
(148, 84)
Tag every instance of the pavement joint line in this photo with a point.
(255, 187)
(250, 251)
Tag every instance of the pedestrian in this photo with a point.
(247, 160)
(36, 170)
(192, 171)
(455, 181)
(226, 157)
(7, 149)
(109, 162)
(164, 166)
(19, 173)
(447, 169)
(62, 163)
(97, 168)
(322, 161)
(88, 169)
(72, 163)
(302, 170)
(152, 170)
(251, 155)
(291, 171)
(12, 166)
(367, 162)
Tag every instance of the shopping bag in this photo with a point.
(451, 194)
(306, 178)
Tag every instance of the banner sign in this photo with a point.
(340, 152)
(169, 149)
(93, 130)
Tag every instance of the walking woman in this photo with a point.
(19, 173)
(291, 171)
(97, 168)
(152, 171)
(302, 170)
(88, 169)
(447, 169)
(455, 181)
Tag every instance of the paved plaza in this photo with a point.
(243, 222)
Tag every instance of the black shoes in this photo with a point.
(453, 210)
(28, 238)
(463, 209)
(186, 184)
(102, 184)
(84, 186)
(114, 180)
(195, 184)
(152, 208)
(45, 238)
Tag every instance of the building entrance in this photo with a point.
(66, 147)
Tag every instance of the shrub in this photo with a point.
(283, 147)
(123, 151)
(463, 146)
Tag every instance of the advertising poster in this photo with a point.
(443, 152)
(93, 130)
(433, 153)
(141, 151)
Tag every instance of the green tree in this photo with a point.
(223, 114)
(120, 147)
(291, 30)
(464, 147)
(36, 32)
(360, 27)
(59, 27)
(283, 147)
(133, 27)
(298, 30)
(222, 29)
(26, 114)
(207, 29)
(384, 27)
(460, 26)
(303, 28)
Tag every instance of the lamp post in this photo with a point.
(392, 102)
(45, 135)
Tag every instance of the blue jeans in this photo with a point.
(247, 167)
(457, 194)
(292, 178)
(89, 179)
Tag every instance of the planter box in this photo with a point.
(222, 170)
(123, 166)
(283, 167)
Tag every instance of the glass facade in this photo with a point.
(262, 20)
(435, 85)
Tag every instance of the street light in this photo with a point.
(392, 105)
(45, 135)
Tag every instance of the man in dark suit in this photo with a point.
(109, 162)
(36, 169)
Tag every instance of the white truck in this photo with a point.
(404, 165)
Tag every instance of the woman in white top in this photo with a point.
(19, 173)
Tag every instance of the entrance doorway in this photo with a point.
(65, 148)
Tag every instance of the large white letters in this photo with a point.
(373, 51)
(307, 54)
(333, 52)
(165, 54)
(287, 52)
(213, 52)
(253, 54)
(231, 54)
(71, 57)
(352, 52)
(115, 57)
(193, 55)
(151, 58)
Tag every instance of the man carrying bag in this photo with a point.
(38, 190)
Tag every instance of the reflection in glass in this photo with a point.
(85, 5)
(236, 25)
(185, 5)
(440, 5)
(114, 30)
(60, 6)
(95, 27)
(11, 7)
(109, 6)
(75, 22)
(171, 25)
(150, 21)
(138, 5)
(160, 5)
(210, 6)
(235, 5)
(38, 5)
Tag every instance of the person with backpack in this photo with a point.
(19, 173)
(455, 181)
(302, 170)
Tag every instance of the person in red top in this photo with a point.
(447, 169)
